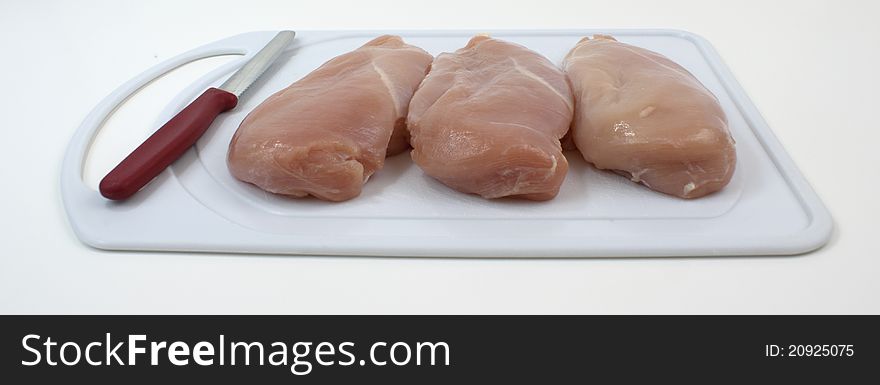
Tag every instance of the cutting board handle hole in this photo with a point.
(135, 118)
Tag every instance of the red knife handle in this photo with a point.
(167, 144)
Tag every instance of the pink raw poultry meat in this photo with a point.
(646, 117)
(325, 134)
(488, 118)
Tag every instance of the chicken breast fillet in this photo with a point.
(488, 118)
(646, 117)
(325, 134)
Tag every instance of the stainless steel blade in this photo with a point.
(255, 67)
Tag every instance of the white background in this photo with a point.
(811, 67)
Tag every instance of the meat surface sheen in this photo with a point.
(327, 133)
(646, 117)
(488, 119)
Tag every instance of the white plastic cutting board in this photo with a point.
(767, 209)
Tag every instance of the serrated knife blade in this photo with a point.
(247, 75)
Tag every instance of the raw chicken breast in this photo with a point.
(644, 116)
(325, 134)
(488, 118)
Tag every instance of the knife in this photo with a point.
(180, 133)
